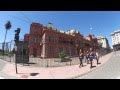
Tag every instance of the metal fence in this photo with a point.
(7, 55)
(38, 62)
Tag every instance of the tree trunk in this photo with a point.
(4, 41)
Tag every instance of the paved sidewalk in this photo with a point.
(66, 72)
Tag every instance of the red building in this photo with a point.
(47, 42)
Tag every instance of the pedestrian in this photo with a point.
(97, 56)
(91, 57)
(81, 57)
(87, 57)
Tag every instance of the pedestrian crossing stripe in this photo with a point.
(116, 55)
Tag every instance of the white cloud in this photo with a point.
(91, 28)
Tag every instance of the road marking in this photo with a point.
(116, 55)
(118, 77)
(1, 78)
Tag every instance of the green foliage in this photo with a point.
(8, 25)
(62, 55)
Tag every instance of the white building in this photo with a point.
(116, 39)
(103, 41)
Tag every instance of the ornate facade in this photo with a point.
(47, 42)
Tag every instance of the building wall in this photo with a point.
(116, 38)
(104, 42)
(47, 43)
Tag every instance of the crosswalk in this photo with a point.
(116, 55)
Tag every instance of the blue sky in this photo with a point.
(101, 22)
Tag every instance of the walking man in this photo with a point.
(91, 57)
(81, 57)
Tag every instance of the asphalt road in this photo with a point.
(110, 70)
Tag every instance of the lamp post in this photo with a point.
(15, 59)
(16, 39)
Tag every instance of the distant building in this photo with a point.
(116, 40)
(47, 41)
(103, 41)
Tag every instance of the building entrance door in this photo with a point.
(34, 52)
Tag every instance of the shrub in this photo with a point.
(62, 55)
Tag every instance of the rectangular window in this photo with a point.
(67, 51)
(51, 39)
(60, 49)
(51, 50)
(38, 40)
(73, 51)
(35, 40)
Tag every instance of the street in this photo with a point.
(110, 70)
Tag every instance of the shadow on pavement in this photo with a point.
(34, 74)
(99, 63)
(31, 74)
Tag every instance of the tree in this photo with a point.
(7, 27)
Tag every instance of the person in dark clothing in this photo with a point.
(91, 57)
(81, 57)
(87, 57)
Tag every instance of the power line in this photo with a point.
(19, 18)
(25, 16)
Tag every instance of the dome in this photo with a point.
(50, 25)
